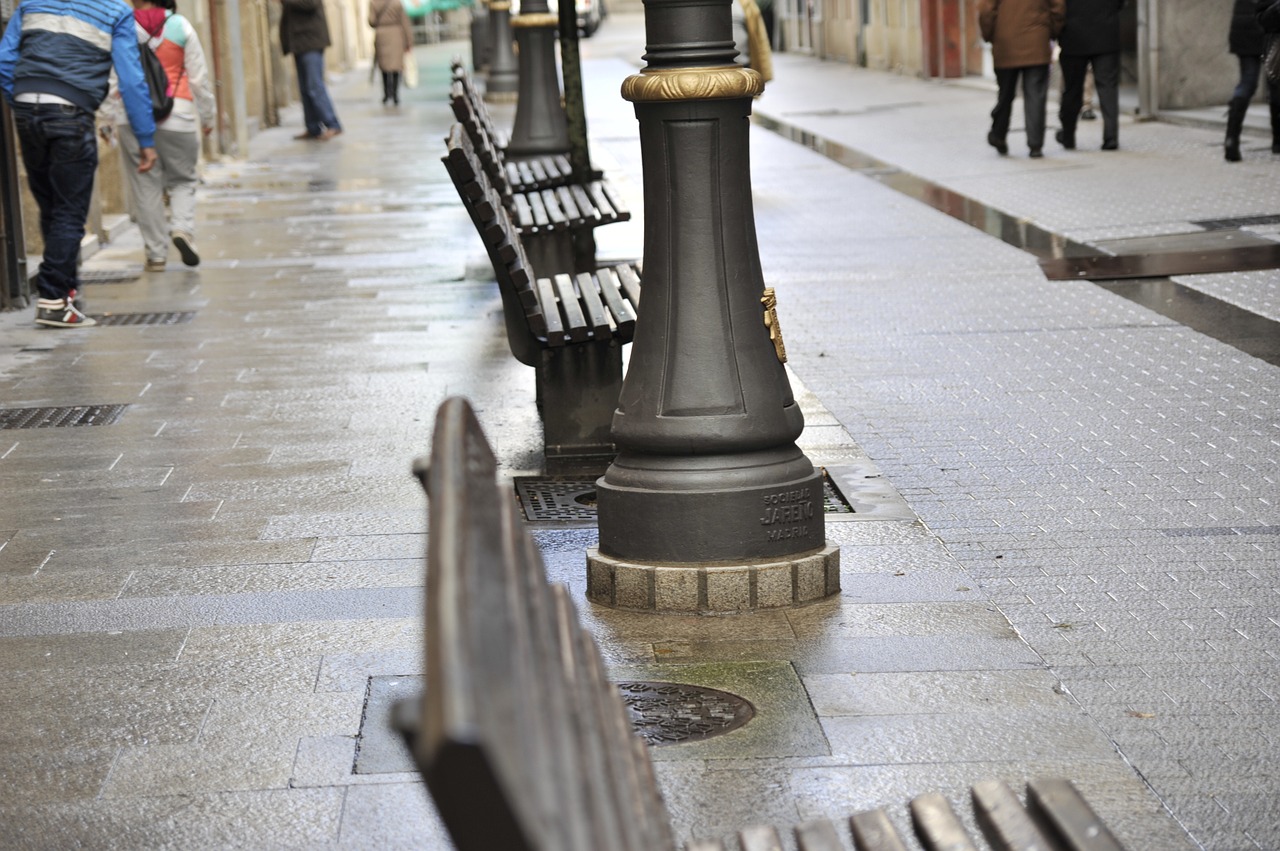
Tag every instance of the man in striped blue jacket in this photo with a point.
(55, 64)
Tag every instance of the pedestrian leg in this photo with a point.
(1007, 83)
(310, 118)
(1073, 74)
(146, 197)
(1035, 99)
(1106, 74)
(180, 153)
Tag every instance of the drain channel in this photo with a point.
(78, 415)
(1242, 329)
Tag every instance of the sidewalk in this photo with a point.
(1070, 573)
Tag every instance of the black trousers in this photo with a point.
(1106, 79)
(1035, 96)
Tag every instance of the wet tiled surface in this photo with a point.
(193, 600)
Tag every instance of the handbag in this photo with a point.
(1271, 62)
(410, 71)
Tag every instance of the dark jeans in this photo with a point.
(61, 156)
(1106, 78)
(317, 108)
(391, 86)
(1035, 95)
(1250, 73)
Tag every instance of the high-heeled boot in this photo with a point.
(1236, 109)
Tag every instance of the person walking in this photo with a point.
(1248, 41)
(1090, 39)
(177, 140)
(1020, 32)
(392, 39)
(55, 67)
(304, 32)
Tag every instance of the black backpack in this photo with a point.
(157, 82)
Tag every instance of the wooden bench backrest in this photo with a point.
(521, 310)
(524, 744)
(471, 113)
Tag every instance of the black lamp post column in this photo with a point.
(540, 126)
(709, 506)
(504, 76)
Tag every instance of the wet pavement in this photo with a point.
(1070, 567)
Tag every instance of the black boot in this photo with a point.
(1275, 126)
(1235, 121)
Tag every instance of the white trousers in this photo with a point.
(174, 173)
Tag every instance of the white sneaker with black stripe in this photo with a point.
(61, 313)
(186, 247)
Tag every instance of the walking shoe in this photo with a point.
(60, 313)
(999, 144)
(1036, 153)
(1068, 142)
(155, 265)
(1111, 145)
(73, 296)
(1088, 115)
(328, 133)
(186, 247)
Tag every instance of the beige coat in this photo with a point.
(1020, 30)
(392, 35)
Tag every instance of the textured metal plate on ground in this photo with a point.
(169, 318)
(79, 415)
(568, 500)
(117, 275)
(1240, 222)
(672, 713)
(1244, 258)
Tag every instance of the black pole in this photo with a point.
(540, 126)
(574, 103)
(15, 287)
(709, 505)
(504, 74)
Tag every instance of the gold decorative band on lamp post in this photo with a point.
(499, 5)
(716, 82)
(535, 19)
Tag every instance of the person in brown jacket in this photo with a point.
(392, 39)
(1020, 32)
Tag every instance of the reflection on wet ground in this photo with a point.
(1220, 247)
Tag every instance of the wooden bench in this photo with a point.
(569, 327)
(551, 208)
(526, 746)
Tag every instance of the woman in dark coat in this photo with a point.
(1248, 42)
(1090, 36)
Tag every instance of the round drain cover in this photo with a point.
(672, 713)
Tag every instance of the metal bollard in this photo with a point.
(709, 506)
(540, 125)
(504, 76)
(481, 39)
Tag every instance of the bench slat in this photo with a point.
(630, 283)
(872, 831)
(615, 200)
(564, 198)
(1002, 819)
(818, 836)
(592, 307)
(600, 199)
(556, 214)
(624, 316)
(555, 332)
(570, 308)
(937, 825)
(760, 838)
(1056, 802)
(583, 200)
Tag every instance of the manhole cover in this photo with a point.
(546, 499)
(169, 318)
(78, 415)
(672, 713)
(115, 275)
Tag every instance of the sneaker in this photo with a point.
(155, 265)
(73, 296)
(60, 313)
(187, 248)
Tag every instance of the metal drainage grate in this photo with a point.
(118, 275)
(1241, 222)
(567, 500)
(79, 415)
(672, 713)
(170, 318)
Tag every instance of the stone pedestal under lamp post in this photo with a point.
(709, 506)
